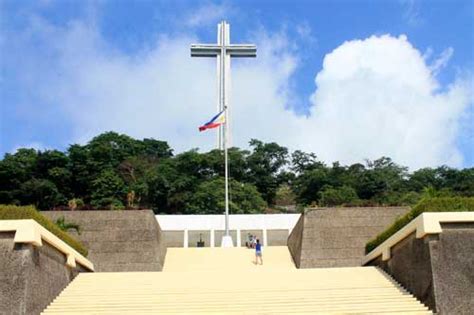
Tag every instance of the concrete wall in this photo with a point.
(277, 237)
(173, 238)
(336, 237)
(31, 277)
(437, 269)
(119, 240)
(295, 240)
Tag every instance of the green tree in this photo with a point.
(285, 196)
(15, 169)
(155, 149)
(265, 163)
(308, 185)
(54, 166)
(134, 172)
(302, 161)
(330, 196)
(109, 149)
(42, 193)
(108, 191)
(209, 198)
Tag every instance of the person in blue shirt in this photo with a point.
(258, 253)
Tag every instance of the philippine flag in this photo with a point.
(216, 121)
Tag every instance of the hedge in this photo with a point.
(10, 212)
(448, 204)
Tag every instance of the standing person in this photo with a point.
(254, 241)
(258, 252)
(250, 240)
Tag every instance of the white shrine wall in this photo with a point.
(237, 223)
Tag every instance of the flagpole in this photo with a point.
(226, 165)
(223, 76)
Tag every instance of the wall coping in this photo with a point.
(424, 224)
(197, 222)
(31, 232)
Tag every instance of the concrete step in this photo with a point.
(225, 281)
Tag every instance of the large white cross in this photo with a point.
(228, 50)
(223, 51)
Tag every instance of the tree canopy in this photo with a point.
(115, 171)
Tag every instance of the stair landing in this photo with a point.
(227, 259)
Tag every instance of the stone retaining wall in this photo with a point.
(118, 240)
(31, 277)
(336, 237)
(437, 269)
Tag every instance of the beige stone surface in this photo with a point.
(230, 259)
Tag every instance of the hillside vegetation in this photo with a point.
(115, 171)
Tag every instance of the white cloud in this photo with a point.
(441, 61)
(378, 97)
(412, 12)
(208, 14)
(374, 97)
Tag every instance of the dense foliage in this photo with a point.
(448, 204)
(10, 212)
(115, 171)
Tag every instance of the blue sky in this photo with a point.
(72, 69)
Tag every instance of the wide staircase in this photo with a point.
(226, 281)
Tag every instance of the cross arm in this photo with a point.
(205, 50)
(210, 50)
(242, 50)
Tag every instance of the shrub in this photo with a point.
(10, 212)
(446, 204)
(65, 226)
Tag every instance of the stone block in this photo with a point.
(31, 277)
(437, 269)
(336, 237)
(122, 239)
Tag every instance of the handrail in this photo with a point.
(425, 223)
(31, 232)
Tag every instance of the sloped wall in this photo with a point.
(336, 237)
(295, 240)
(118, 240)
(31, 277)
(437, 269)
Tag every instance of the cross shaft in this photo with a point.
(223, 51)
